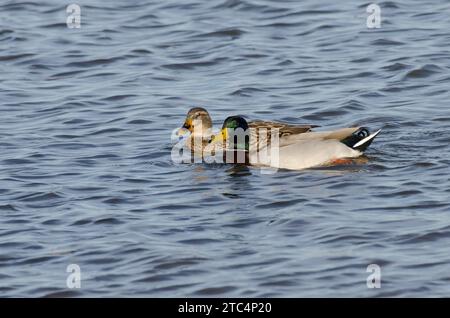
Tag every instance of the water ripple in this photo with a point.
(86, 175)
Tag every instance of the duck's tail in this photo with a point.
(360, 139)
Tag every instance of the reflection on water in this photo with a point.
(237, 181)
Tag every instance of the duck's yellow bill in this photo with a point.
(188, 124)
(186, 129)
(221, 136)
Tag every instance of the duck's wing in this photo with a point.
(285, 129)
(358, 138)
(341, 134)
(259, 138)
(260, 131)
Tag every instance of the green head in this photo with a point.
(234, 122)
(235, 127)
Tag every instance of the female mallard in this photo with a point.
(294, 151)
(197, 128)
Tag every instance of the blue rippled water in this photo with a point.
(86, 175)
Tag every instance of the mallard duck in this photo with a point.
(197, 128)
(197, 122)
(294, 151)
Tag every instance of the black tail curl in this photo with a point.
(359, 135)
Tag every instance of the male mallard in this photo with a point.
(293, 151)
(198, 125)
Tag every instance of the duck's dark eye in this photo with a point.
(186, 126)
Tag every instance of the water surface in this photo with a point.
(85, 170)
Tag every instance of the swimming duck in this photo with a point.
(197, 128)
(294, 151)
